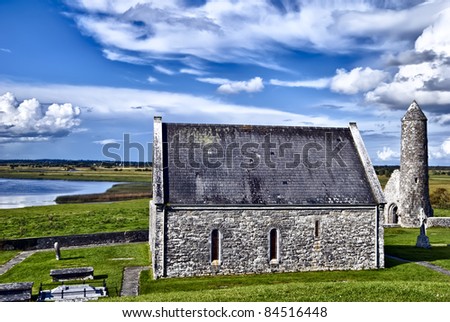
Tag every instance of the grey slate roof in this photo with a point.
(268, 165)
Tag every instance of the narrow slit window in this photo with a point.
(317, 229)
(215, 247)
(273, 244)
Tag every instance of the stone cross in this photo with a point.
(57, 251)
(423, 222)
(422, 239)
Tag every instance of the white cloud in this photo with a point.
(251, 86)
(229, 30)
(425, 78)
(357, 80)
(107, 141)
(387, 154)
(317, 83)
(29, 120)
(191, 71)
(152, 80)
(118, 56)
(347, 82)
(214, 80)
(116, 103)
(436, 37)
(5, 50)
(442, 151)
(164, 70)
(441, 119)
(446, 146)
(427, 82)
(233, 87)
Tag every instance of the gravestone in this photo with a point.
(16, 292)
(73, 293)
(71, 274)
(423, 240)
(57, 251)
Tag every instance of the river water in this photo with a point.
(18, 193)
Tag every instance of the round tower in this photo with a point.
(414, 190)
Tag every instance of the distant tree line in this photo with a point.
(386, 170)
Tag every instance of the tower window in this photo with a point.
(215, 247)
(274, 250)
(416, 180)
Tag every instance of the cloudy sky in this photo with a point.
(78, 75)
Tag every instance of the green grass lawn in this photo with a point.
(5, 256)
(401, 242)
(70, 219)
(108, 263)
(397, 282)
(441, 212)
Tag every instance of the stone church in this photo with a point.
(407, 190)
(242, 199)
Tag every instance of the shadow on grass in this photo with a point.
(390, 263)
(416, 254)
(70, 258)
(101, 277)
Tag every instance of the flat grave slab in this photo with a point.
(71, 274)
(16, 292)
(73, 293)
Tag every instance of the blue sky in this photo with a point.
(76, 75)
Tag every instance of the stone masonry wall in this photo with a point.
(74, 240)
(438, 222)
(347, 240)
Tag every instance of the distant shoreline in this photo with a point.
(118, 192)
(122, 191)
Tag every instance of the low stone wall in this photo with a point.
(75, 240)
(438, 222)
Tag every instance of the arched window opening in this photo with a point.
(215, 247)
(274, 249)
(317, 229)
(393, 214)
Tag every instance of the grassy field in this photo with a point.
(108, 263)
(82, 174)
(70, 219)
(405, 282)
(436, 181)
(400, 242)
(5, 256)
(439, 181)
(441, 212)
(397, 282)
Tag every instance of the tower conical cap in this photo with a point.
(414, 113)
